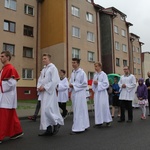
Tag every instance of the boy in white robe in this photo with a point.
(101, 101)
(51, 118)
(62, 89)
(78, 85)
(127, 84)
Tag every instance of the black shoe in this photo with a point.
(129, 121)
(33, 118)
(108, 124)
(73, 133)
(148, 114)
(121, 120)
(0, 141)
(97, 125)
(56, 129)
(45, 134)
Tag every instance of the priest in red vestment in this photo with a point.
(9, 123)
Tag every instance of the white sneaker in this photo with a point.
(17, 136)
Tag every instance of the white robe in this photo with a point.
(63, 87)
(78, 96)
(101, 102)
(50, 113)
(127, 93)
(8, 99)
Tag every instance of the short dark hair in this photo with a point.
(7, 54)
(48, 55)
(63, 71)
(76, 59)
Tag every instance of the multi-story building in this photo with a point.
(18, 32)
(69, 28)
(115, 47)
(145, 63)
(135, 55)
(63, 28)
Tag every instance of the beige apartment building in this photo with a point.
(135, 55)
(145, 63)
(63, 28)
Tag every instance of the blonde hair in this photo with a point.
(98, 63)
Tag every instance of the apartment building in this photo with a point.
(114, 40)
(135, 55)
(18, 32)
(69, 29)
(145, 63)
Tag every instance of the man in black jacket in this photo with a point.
(147, 82)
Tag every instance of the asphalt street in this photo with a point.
(120, 136)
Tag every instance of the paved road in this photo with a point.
(120, 136)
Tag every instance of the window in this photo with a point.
(76, 32)
(90, 36)
(117, 46)
(117, 62)
(123, 33)
(124, 62)
(9, 26)
(10, 4)
(116, 29)
(27, 73)
(137, 50)
(134, 70)
(90, 75)
(133, 48)
(28, 10)
(134, 59)
(138, 60)
(75, 11)
(91, 56)
(89, 17)
(90, 1)
(27, 92)
(139, 71)
(28, 30)
(9, 47)
(75, 53)
(124, 48)
(28, 52)
(122, 18)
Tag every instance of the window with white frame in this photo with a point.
(75, 53)
(139, 71)
(9, 26)
(133, 48)
(90, 75)
(89, 17)
(117, 45)
(123, 33)
(27, 73)
(117, 61)
(9, 47)
(124, 62)
(28, 52)
(75, 11)
(134, 59)
(138, 60)
(137, 49)
(124, 48)
(90, 1)
(116, 29)
(122, 18)
(76, 32)
(90, 36)
(91, 56)
(11, 4)
(134, 70)
(28, 10)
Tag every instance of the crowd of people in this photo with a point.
(52, 90)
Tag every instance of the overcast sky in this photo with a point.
(137, 12)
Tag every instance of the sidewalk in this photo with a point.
(27, 109)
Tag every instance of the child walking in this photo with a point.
(142, 97)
